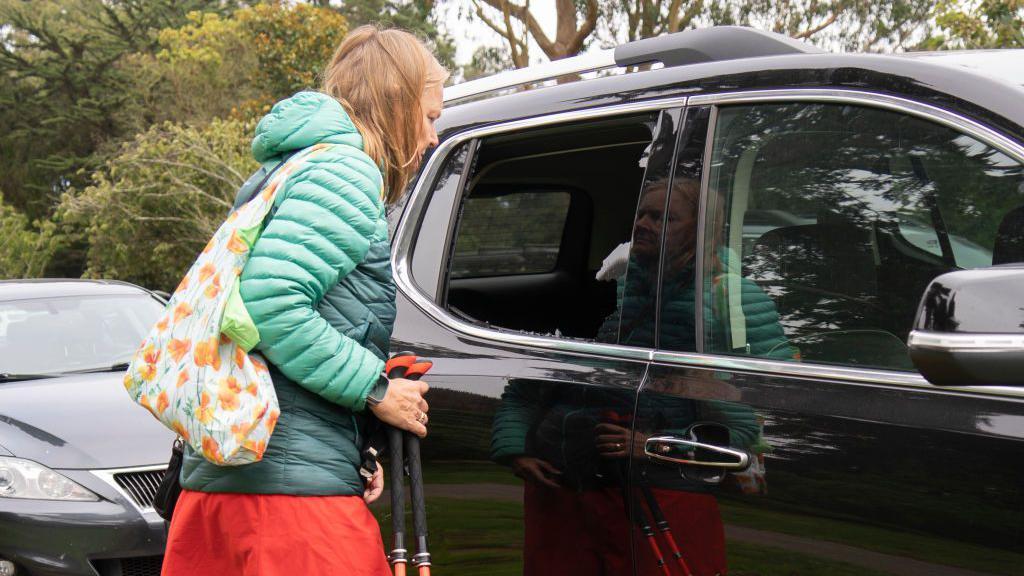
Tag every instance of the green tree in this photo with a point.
(143, 214)
(157, 202)
(64, 92)
(25, 250)
(978, 24)
(416, 16)
(487, 60)
(517, 25)
(216, 66)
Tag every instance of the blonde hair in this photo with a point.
(379, 77)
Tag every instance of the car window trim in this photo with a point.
(401, 262)
(702, 214)
(928, 112)
(453, 217)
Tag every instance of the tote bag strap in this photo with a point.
(270, 174)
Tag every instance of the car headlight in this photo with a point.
(26, 479)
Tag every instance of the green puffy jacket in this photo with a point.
(319, 290)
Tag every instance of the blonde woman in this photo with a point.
(318, 287)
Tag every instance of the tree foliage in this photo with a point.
(416, 16)
(517, 25)
(979, 24)
(64, 93)
(861, 25)
(216, 66)
(157, 202)
(25, 250)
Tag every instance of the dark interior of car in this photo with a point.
(596, 165)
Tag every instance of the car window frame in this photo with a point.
(407, 234)
(411, 223)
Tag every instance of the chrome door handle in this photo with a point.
(682, 451)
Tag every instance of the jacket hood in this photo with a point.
(301, 121)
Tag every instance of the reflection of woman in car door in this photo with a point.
(570, 443)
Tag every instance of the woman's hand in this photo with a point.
(374, 486)
(403, 406)
(530, 468)
(614, 441)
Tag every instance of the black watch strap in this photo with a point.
(376, 394)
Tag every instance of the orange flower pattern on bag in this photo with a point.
(178, 348)
(217, 397)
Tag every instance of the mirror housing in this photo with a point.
(969, 329)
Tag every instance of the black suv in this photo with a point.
(718, 302)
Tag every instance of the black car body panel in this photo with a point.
(857, 470)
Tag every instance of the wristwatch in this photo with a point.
(376, 394)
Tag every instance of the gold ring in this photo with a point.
(422, 418)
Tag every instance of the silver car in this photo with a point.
(79, 461)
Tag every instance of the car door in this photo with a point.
(506, 264)
(784, 426)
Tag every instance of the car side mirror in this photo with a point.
(969, 329)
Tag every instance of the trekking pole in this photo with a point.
(645, 528)
(419, 506)
(396, 368)
(663, 527)
(398, 552)
(404, 365)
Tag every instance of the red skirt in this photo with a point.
(273, 535)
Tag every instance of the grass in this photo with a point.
(484, 538)
(753, 560)
(471, 537)
(897, 543)
(468, 472)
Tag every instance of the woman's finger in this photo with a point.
(424, 407)
(548, 467)
(417, 429)
(375, 486)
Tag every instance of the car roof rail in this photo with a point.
(713, 44)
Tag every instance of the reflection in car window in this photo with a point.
(55, 335)
(842, 215)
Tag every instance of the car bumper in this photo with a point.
(46, 538)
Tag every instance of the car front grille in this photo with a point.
(141, 486)
(144, 566)
(139, 566)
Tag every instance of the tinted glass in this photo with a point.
(517, 233)
(543, 227)
(430, 241)
(633, 265)
(677, 312)
(54, 335)
(826, 222)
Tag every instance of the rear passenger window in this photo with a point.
(541, 214)
(826, 222)
(514, 233)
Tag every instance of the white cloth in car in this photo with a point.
(615, 263)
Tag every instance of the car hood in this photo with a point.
(82, 421)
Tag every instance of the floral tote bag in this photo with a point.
(195, 371)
